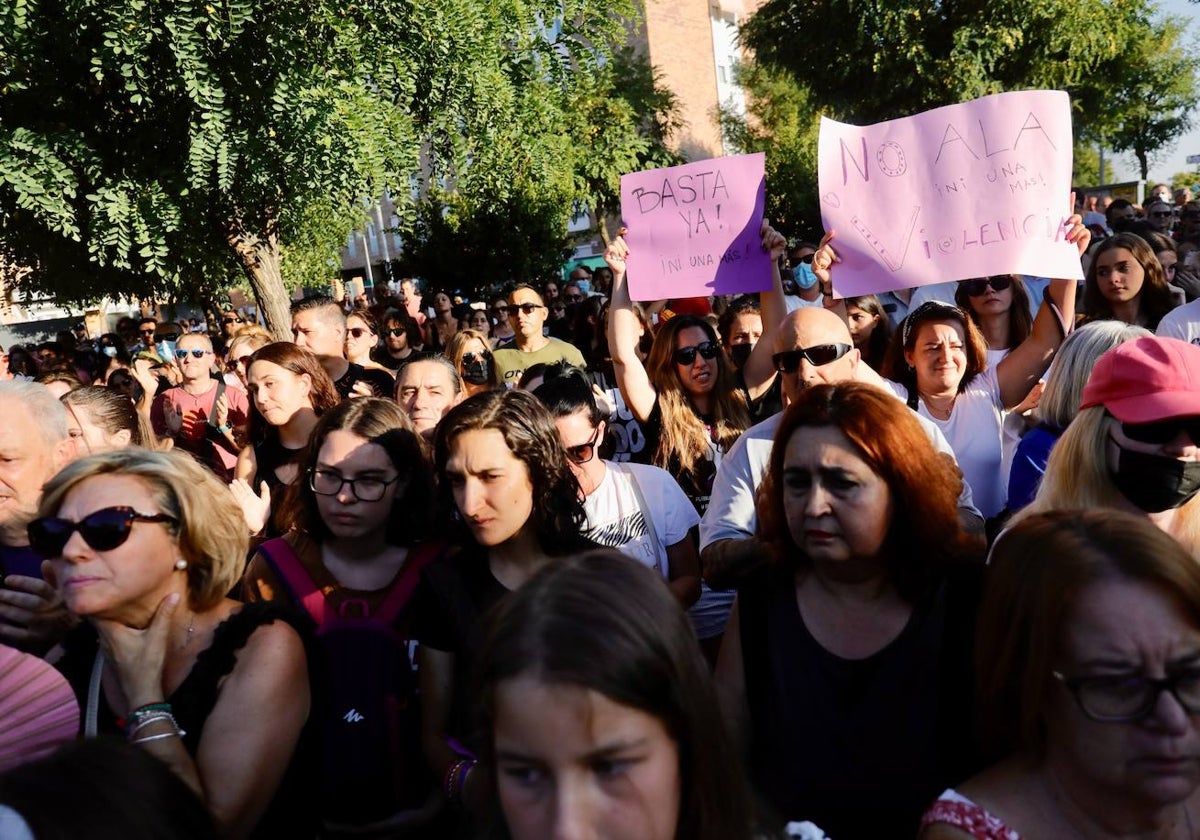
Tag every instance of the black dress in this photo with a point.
(292, 811)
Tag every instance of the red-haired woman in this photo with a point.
(846, 665)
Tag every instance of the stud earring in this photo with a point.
(180, 564)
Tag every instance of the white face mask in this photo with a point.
(109, 350)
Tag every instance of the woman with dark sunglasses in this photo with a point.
(350, 562)
(1088, 682)
(1135, 443)
(938, 364)
(999, 306)
(143, 546)
(687, 399)
(471, 353)
(362, 339)
(638, 509)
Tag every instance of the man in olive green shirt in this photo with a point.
(527, 313)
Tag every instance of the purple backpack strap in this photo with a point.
(419, 557)
(284, 562)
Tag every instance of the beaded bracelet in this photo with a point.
(456, 777)
(154, 718)
(141, 711)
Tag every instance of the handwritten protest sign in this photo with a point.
(967, 190)
(694, 230)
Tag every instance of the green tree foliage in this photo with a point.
(780, 120)
(870, 61)
(1148, 95)
(152, 147)
(1086, 172)
(562, 154)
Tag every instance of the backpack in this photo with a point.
(365, 693)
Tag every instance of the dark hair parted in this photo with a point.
(1020, 316)
(111, 410)
(530, 434)
(1154, 299)
(924, 532)
(322, 394)
(881, 336)
(1038, 569)
(684, 435)
(604, 622)
(384, 424)
(565, 390)
(896, 366)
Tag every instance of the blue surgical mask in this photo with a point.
(585, 286)
(804, 276)
(109, 350)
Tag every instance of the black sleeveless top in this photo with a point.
(292, 812)
(858, 747)
(270, 455)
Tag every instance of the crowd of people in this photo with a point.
(560, 564)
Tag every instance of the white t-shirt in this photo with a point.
(731, 514)
(615, 519)
(974, 432)
(1182, 322)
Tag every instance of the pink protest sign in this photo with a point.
(694, 230)
(967, 190)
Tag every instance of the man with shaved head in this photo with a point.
(813, 347)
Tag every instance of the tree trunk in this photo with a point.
(1143, 162)
(260, 260)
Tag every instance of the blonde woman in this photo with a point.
(1135, 443)
(471, 355)
(143, 546)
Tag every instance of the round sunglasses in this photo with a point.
(103, 530)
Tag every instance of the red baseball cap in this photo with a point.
(1146, 380)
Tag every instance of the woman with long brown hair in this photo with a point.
(687, 398)
(289, 390)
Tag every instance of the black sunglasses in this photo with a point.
(471, 358)
(231, 320)
(196, 352)
(359, 332)
(103, 530)
(395, 332)
(1164, 431)
(979, 286)
(687, 355)
(819, 354)
(527, 308)
(584, 452)
(807, 258)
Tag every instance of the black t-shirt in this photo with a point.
(381, 381)
(858, 747)
(696, 483)
(382, 357)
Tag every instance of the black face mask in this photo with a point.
(1120, 225)
(478, 372)
(740, 353)
(1155, 483)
